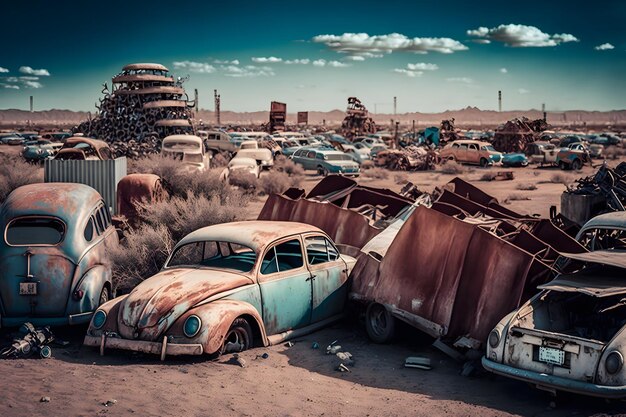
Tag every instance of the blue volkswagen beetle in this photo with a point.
(53, 264)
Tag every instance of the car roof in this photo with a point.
(255, 234)
(95, 143)
(616, 220)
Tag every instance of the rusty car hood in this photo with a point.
(157, 302)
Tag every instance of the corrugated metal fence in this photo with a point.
(101, 175)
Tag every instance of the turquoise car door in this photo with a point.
(286, 289)
(330, 277)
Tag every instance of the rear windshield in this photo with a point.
(33, 231)
(214, 254)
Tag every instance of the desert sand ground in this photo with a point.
(296, 380)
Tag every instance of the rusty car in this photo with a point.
(53, 260)
(228, 287)
(574, 156)
(81, 148)
(471, 152)
(572, 335)
(187, 148)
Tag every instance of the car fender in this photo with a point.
(91, 283)
(217, 317)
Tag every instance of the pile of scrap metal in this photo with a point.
(603, 192)
(145, 105)
(454, 268)
(410, 158)
(514, 135)
(351, 214)
(447, 132)
(357, 121)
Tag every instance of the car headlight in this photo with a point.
(192, 326)
(99, 319)
(494, 339)
(614, 362)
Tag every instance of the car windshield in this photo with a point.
(215, 255)
(337, 157)
(35, 231)
(192, 157)
(488, 148)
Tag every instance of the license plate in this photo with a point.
(28, 288)
(550, 355)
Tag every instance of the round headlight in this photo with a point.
(192, 326)
(494, 339)
(614, 362)
(99, 318)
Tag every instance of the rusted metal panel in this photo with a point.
(303, 117)
(103, 176)
(135, 188)
(129, 78)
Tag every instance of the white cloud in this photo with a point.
(31, 71)
(191, 66)
(408, 73)
(422, 66)
(504, 70)
(266, 60)
(11, 86)
(521, 36)
(366, 46)
(337, 64)
(33, 84)
(28, 78)
(319, 62)
(3, 70)
(481, 41)
(304, 61)
(11, 79)
(463, 80)
(523, 91)
(16, 83)
(604, 47)
(226, 62)
(246, 71)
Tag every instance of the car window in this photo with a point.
(106, 153)
(88, 232)
(455, 145)
(282, 257)
(311, 155)
(100, 221)
(463, 146)
(320, 250)
(33, 231)
(319, 156)
(214, 254)
(473, 147)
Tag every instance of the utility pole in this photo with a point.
(543, 109)
(395, 104)
(31, 110)
(396, 140)
(217, 107)
(414, 130)
(195, 101)
(499, 101)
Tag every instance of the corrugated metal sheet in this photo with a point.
(101, 175)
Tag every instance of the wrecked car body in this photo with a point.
(84, 149)
(53, 259)
(228, 287)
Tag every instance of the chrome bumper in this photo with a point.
(156, 348)
(555, 382)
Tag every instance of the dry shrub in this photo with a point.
(526, 187)
(14, 173)
(220, 160)
(367, 164)
(141, 254)
(182, 216)
(488, 176)
(401, 178)
(282, 164)
(452, 168)
(558, 178)
(376, 173)
(244, 180)
(516, 197)
(613, 152)
(276, 182)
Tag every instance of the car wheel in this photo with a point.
(484, 162)
(238, 338)
(379, 323)
(576, 165)
(562, 165)
(104, 296)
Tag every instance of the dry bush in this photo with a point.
(536, 173)
(182, 216)
(452, 168)
(140, 255)
(613, 152)
(516, 197)
(558, 178)
(401, 178)
(367, 164)
(376, 173)
(244, 180)
(14, 173)
(276, 182)
(220, 160)
(488, 176)
(282, 164)
(526, 187)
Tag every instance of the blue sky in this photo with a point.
(432, 55)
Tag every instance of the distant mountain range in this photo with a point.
(467, 116)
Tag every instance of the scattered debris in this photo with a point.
(289, 344)
(29, 341)
(411, 158)
(357, 121)
(109, 403)
(44, 400)
(418, 362)
(237, 360)
(343, 368)
(315, 345)
(514, 135)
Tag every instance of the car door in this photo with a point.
(473, 156)
(285, 284)
(329, 277)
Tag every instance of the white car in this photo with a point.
(189, 149)
(242, 163)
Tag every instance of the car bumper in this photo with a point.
(71, 320)
(555, 382)
(156, 348)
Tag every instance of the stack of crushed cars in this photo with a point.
(410, 158)
(607, 183)
(514, 135)
(450, 264)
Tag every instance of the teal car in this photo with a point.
(326, 161)
(229, 287)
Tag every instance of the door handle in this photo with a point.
(312, 277)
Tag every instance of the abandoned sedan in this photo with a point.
(572, 335)
(228, 287)
(53, 261)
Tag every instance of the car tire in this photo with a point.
(576, 164)
(484, 162)
(104, 296)
(238, 337)
(562, 165)
(322, 171)
(379, 323)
